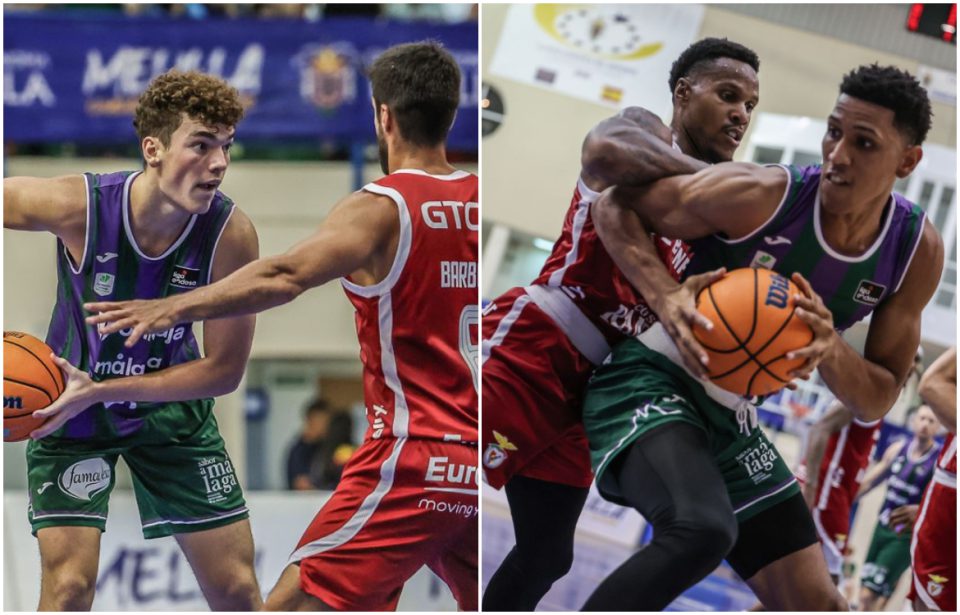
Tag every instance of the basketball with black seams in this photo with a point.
(754, 327)
(31, 381)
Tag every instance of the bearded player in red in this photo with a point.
(933, 549)
(405, 247)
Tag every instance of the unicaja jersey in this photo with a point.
(844, 461)
(418, 328)
(582, 270)
(792, 240)
(908, 478)
(114, 268)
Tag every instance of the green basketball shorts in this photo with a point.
(639, 389)
(888, 557)
(183, 478)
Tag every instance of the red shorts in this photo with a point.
(533, 386)
(933, 550)
(400, 505)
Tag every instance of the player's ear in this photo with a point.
(681, 92)
(909, 160)
(151, 148)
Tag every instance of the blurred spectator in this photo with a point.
(323, 447)
(444, 13)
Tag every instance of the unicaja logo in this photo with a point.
(86, 478)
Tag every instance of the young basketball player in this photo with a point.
(405, 247)
(541, 342)
(838, 451)
(144, 234)
(907, 468)
(684, 452)
(933, 549)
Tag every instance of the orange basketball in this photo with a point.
(752, 311)
(31, 381)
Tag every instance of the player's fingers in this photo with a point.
(702, 280)
(138, 331)
(104, 306)
(801, 281)
(816, 321)
(50, 410)
(697, 319)
(49, 427)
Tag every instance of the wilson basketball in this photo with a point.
(752, 311)
(31, 381)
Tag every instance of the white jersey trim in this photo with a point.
(582, 333)
(917, 583)
(226, 515)
(587, 197)
(125, 207)
(388, 363)
(216, 244)
(944, 461)
(403, 247)
(830, 550)
(458, 174)
(818, 229)
(923, 220)
(352, 527)
(487, 346)
(766, 223)
(832, 468)
(86, 237)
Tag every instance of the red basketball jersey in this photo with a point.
(581, 267)
(947, 464)
(841, 470)
(418, 327)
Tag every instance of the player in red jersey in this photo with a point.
(541, 342)
(408, 496)
(933, 549)
(840, 446)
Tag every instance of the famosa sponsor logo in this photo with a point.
(86, 478)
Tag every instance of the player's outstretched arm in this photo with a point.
(632, 148)
(834, 419)
(869, 384)
(226, 345)
(938, 388)
(57, 205)
(359, 228)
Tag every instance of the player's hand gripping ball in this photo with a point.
(31, 381)
(755, 326)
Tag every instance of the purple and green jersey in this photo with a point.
(907, 480)
(792, 240)
(114, 268)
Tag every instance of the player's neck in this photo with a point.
(853, 232)
(155, 221)
(432, 160)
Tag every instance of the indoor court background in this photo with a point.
(307, 141)
(534, 124)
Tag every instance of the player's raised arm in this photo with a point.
(833, 420)
(938, 388)
(632, 148)
(869, 384)
(359, 228)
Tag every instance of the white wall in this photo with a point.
(531, 163)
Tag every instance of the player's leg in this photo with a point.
(458, 562)
(69, 556)
(780, 556)
(545, 518)
(670, 477)
(287, 595)
(877, 581)
(186, 487)
(222, 561)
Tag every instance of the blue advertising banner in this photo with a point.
(70, 78)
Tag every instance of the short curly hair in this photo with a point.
(205, 98)
(894, 89)
(706, 50)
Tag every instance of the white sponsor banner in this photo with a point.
(941, 84)
(615, 54)
(600, 518)
(153, 575)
